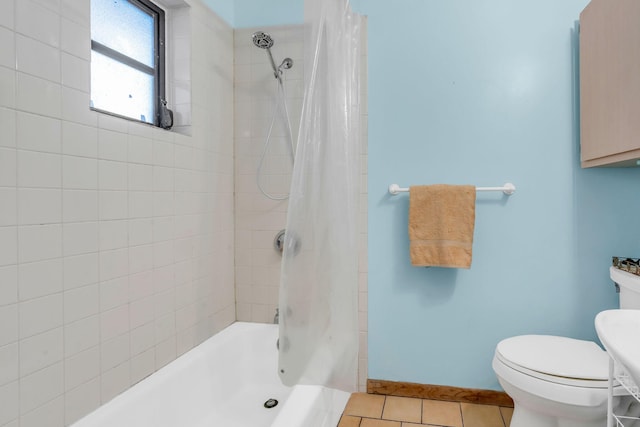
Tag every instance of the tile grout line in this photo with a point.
(504, 422)
(384, 403)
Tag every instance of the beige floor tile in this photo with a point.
(507, 413)
(368, 422)
(441, 413)
(402, 409)
(365, 405)
(481, 415)
(366, 410)
(349, 421)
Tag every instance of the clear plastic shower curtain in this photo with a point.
(319, 281)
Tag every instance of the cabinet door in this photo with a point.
(610, 83)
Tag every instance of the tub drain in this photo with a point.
(271, 403)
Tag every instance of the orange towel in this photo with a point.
(441, 223)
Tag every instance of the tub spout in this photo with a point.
(276, 318)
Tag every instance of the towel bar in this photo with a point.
(508, 189)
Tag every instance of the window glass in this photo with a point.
(121, 89)
(127, 60)
(123, 27)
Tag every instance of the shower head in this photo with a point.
(262, 40)
(286, 64)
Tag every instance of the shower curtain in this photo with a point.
(318, 341)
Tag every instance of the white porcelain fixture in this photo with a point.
(619, 331)
(225, 381)
(629, 286)
(558, 381)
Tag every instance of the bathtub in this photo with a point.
(225, 381)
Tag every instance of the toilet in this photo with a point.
(558, 381)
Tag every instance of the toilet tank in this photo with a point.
(629, 285)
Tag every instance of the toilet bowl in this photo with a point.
(563, 382)
(554, 381)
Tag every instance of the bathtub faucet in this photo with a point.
(276, 318)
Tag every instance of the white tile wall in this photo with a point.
(9, 358)
(8, 324)
(37, 58)
(40, 351)
(77, 400)
(10, 398)
(9, 288)
(39, 279)
(38, 133)
(258, 219)
(102, 219)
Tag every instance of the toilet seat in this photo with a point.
(520, 363)
(559, 360)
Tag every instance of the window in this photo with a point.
(127, 59)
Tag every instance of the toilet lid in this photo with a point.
(556, 356)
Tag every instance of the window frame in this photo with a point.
(158, 71)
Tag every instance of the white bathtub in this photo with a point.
(225, 381)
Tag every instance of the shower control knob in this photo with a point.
(278, 242)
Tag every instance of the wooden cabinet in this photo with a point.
(610, 83)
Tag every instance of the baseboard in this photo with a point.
(439, 392)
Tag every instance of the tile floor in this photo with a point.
(372, 410)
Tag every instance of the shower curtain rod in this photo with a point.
(508, 189)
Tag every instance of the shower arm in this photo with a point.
(276, 73)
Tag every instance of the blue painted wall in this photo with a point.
(251, 13)
(482, 92)
(224, 8)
